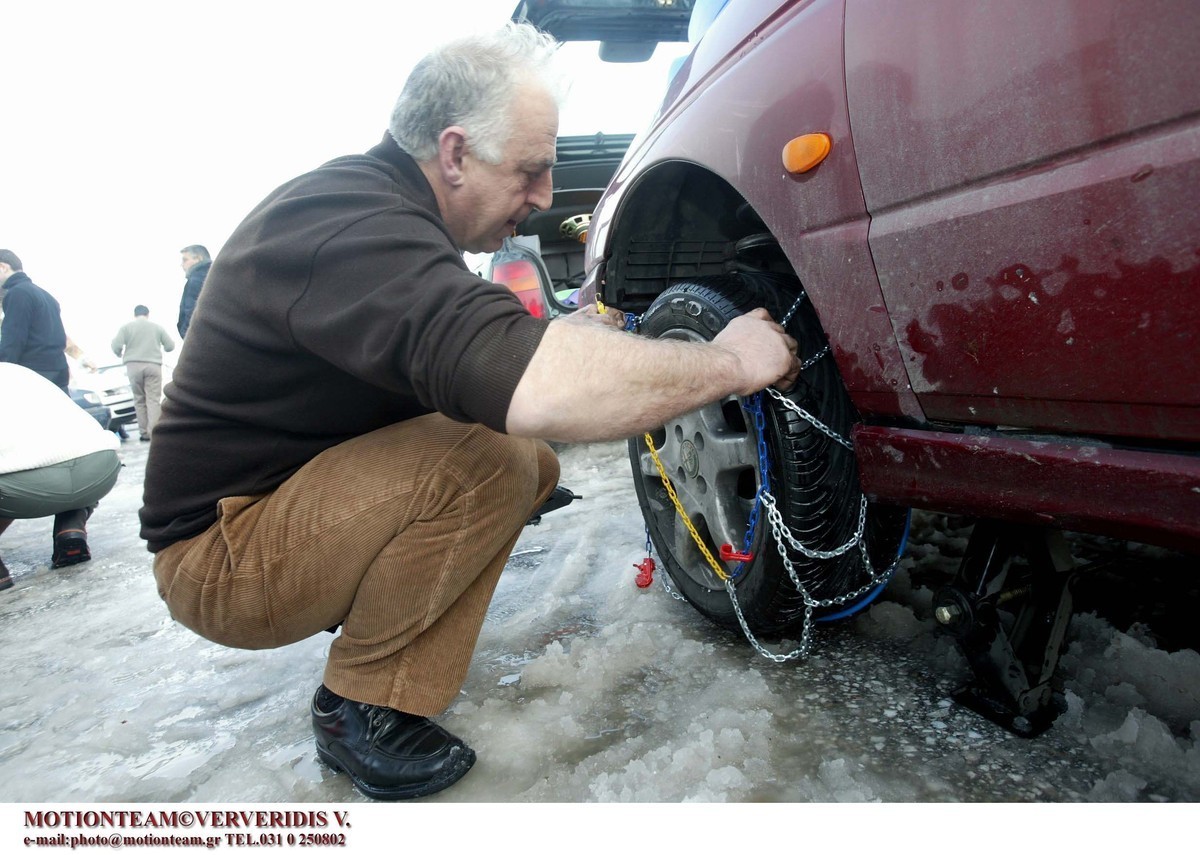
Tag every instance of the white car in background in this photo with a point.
(110, 386)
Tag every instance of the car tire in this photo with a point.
(711, 457)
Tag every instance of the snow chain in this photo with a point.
(782, 535)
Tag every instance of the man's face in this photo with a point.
(5, 272)
(495, 197)
(188, 261)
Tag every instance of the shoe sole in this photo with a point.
(406, 791)
(68, 551)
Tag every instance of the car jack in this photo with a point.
(1010, 618)
(560, 498)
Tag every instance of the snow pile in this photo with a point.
(1135, 704)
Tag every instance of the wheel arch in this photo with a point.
(679, 219)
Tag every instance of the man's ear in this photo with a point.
(452, 144)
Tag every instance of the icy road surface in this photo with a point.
(587, 688)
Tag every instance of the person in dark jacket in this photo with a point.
(195, 262)
(32, 332)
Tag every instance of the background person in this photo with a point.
(350, 436)
(54, 461)
(31, 333)
(140, 344)
(195, 262)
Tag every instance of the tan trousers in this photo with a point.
(145, 380)
(401, 534)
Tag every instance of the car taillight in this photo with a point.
(521, 277)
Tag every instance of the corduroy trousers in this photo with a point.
(400, 534)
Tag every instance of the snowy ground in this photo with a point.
(586, 688)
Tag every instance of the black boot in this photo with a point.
(70, 538)
(388, 754)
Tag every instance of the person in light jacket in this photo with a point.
(140, 344)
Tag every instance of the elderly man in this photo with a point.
(350, 436)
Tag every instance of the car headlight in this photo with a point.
(91, 397)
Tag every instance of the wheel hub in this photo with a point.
(690, 458)
(706, 458)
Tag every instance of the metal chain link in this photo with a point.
(662, 577)
(796, 305)
(780, 532)
(811, 419)
(812, 360)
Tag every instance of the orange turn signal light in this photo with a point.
(805, 152)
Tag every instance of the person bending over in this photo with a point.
(54, 461)
(354, 434)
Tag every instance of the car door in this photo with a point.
(1031, 168)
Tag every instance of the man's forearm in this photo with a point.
(633, 384)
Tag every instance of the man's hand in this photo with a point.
(76, 352)
(766, 353)
(588, 313)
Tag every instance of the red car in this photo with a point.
(982, 222)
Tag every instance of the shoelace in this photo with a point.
(380, 721)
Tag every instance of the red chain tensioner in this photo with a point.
(728, 553)
(645, 572)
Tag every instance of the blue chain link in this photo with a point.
(753, 406)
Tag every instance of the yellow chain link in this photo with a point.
(717, 568)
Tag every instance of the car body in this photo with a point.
(110, 386)
(90, 403)
(1002, 244)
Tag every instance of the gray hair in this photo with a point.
(470, 82)
(198, 251)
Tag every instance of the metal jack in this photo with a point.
(560, 498)
(1010, 619)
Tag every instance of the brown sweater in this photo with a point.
(340, 305)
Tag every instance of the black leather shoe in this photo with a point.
(70, 547)
(388, 754)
